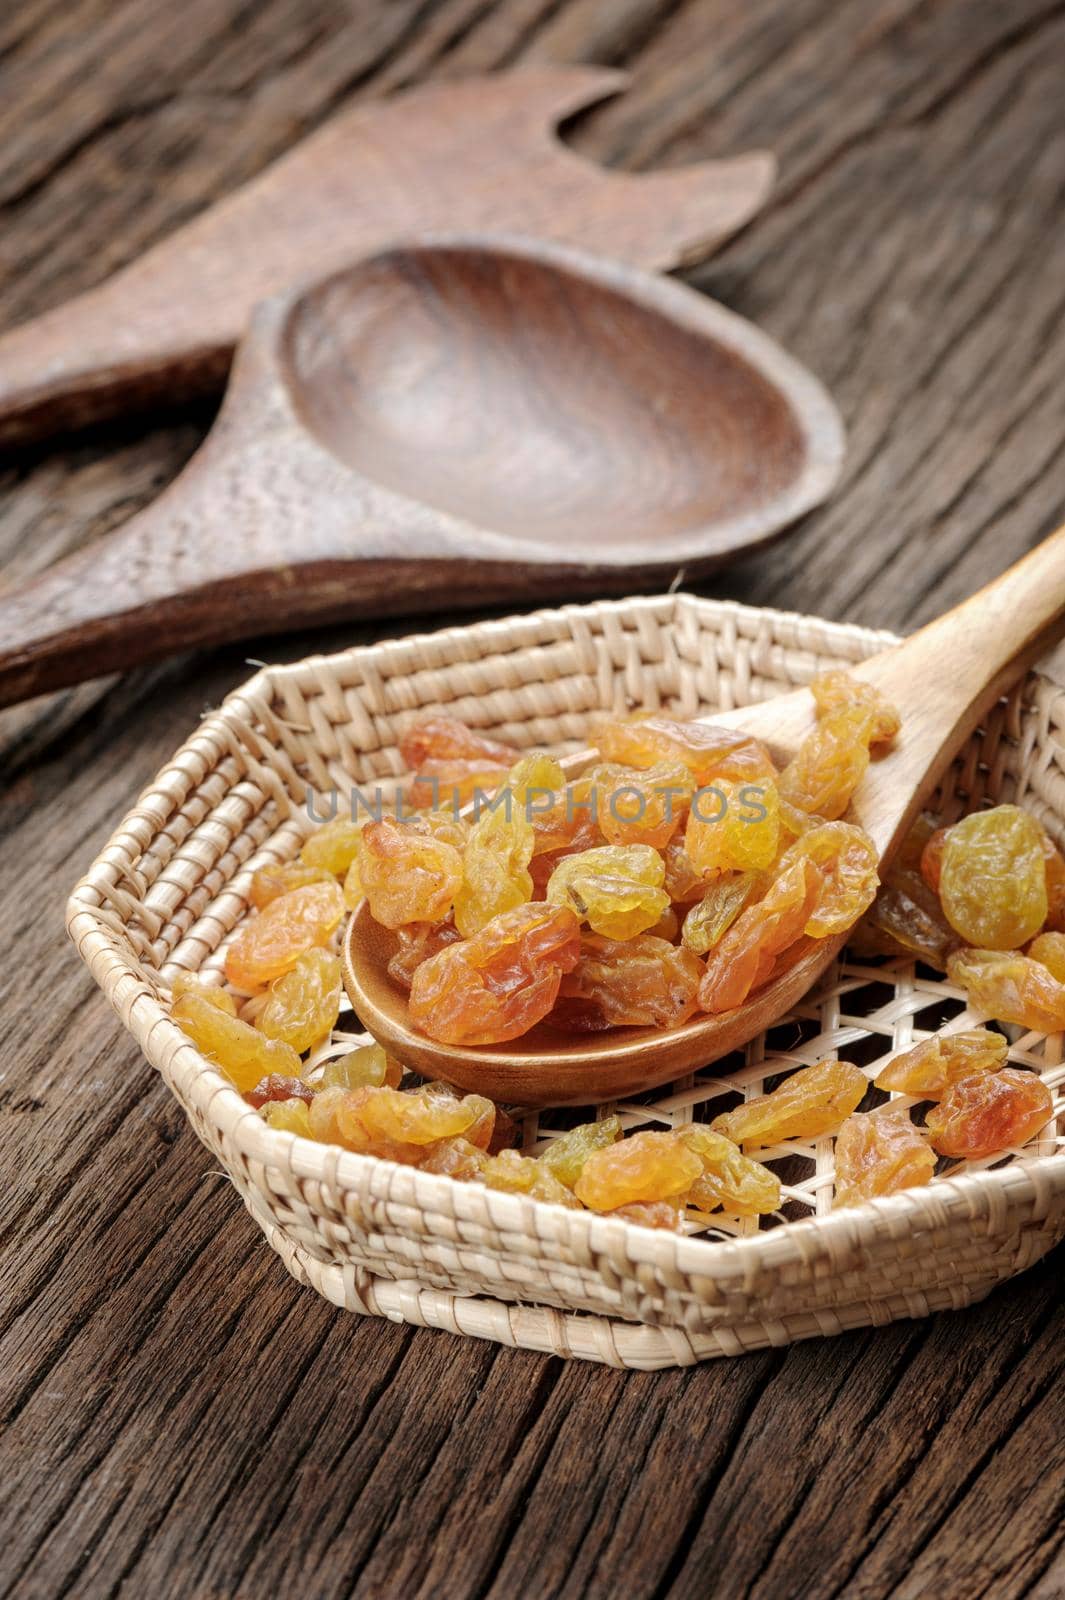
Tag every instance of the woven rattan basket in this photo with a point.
(388, 1240)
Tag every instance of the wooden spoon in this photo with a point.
(480, 152)
(448, 423)
(943, 679)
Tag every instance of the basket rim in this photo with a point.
(1035, 1178)
(737, 1258)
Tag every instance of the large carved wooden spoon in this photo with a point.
(447, 423)
(943, 679)
(478, 153)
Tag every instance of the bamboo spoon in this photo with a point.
(943, 679)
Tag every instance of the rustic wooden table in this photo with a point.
(178, 1417)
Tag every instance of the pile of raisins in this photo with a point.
(679, 875)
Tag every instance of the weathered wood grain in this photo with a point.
(178, 1417)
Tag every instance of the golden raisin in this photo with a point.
(516, 1174)
(1053, 862)
(928, 1070)
(730, 1181)
(288, 1116)
(632, 983)
(1049, 950)
(333, 846)
(992, 885)
(814, 1101)
(733, 827)
(643, 1168)
(452, 762)
(837, 688)
(642, 807)
(995, 1111)
(906, 917)
(270, 882)
(1009, 987)
(408, 873)
(481, 1130)
(501, 982)
(616, 889)
(272, 942)
(715, 913)
(879, 1152)
(436, 736)
(243, 1053)
(566, 1155)
(189, 983)
(366, 1067)
(378, 1119)
(495, 869)
(706, 751)
(744, 956)
(831, 762)
(846, 859)
(897, 923)
(304, 1003)
(535, 780)
(322, 1114)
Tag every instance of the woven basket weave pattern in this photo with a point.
(170, 889)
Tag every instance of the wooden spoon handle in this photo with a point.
(965, 659)
(946, 678)
(211, 562)
(109, 605)
(261, 532)
(177, 577)
(95, 358)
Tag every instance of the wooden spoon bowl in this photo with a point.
(453, 420)
(517, 395)
(547, 1067)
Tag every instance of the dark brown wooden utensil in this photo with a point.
(472, 155)
(448, 422)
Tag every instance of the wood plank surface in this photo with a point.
(178, 1417)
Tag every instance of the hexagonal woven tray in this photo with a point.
(171, 886)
